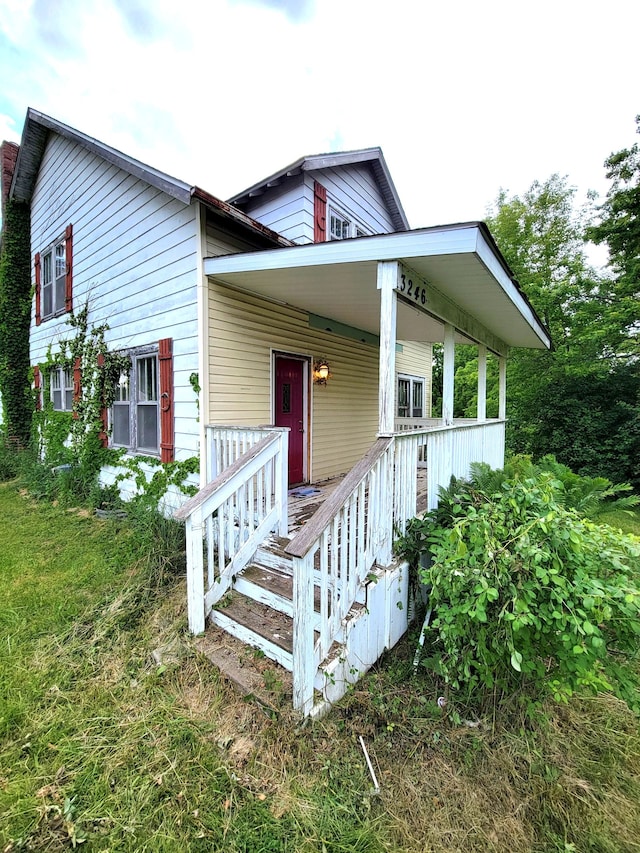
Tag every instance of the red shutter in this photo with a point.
(167, 440)
(37, 384)
(36, 265)
(319, 213)
(77, 383)
(103, 435)
(68, 281)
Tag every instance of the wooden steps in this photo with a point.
(257, 625)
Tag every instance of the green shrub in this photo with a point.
(527, 595)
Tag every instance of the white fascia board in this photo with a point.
(383, 247)
(488, 257)
(342, 158)
(167, 183)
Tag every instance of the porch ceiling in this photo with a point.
(338, 280)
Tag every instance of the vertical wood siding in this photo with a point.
(244, 330)
(134, 259)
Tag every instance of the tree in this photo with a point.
(580, 400)
(619, 228)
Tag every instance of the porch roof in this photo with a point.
(468, 284)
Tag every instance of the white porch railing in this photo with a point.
(407, 424)
(225, 444)
(446, 451)
(233, 514)
(409, 449)
(336, 550)
(451, 450)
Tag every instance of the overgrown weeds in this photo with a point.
(117, 736)
(528, 597)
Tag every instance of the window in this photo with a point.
(54, 278)
(61, 384)
(135, 416)
(341, 227)
(410, 397)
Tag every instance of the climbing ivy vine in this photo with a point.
(78, 437)
(15, 318)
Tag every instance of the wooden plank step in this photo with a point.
(278, 583)
(263, 586)
(260, 620)
(253, 675)
(271, 555)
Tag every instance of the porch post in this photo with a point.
(387, 282)
(482, 382)
(448, 368)
(502, 406)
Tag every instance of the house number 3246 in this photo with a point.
(412, 291)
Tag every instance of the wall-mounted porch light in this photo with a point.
(321, 371)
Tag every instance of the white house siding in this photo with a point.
(134, 260)
(353, 190)
(287, 209)
(415, 360)
(244, 331)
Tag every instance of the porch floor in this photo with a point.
(305, 500)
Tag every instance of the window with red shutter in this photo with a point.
(62, 388)
(37, 384)
(142, 412)
(68, 273)
(103, 435)
(54, 278)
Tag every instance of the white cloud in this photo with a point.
(463, 97)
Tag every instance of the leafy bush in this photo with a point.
(589, 496)
(527, 595)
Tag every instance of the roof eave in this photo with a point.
(314, 162)
(228, 211)
(37, 127)
(468, 237)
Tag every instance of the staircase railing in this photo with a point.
(409, 449)
(225, 444)
(233, 514)
(337, 549)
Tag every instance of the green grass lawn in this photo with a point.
(102, 747)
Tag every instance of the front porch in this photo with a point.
(310, 577)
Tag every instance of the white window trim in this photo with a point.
(137, 354)
(65, 386)
(356, 229)
(50, 252)
(413, 381)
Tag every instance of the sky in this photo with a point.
(464, 97)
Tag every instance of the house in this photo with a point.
(306, 310)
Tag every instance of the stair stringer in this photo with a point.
(367, 632)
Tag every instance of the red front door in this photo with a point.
(290, 412)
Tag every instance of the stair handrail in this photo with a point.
(339, 545)
(226, 494)
(304, 541)
(214, 486)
